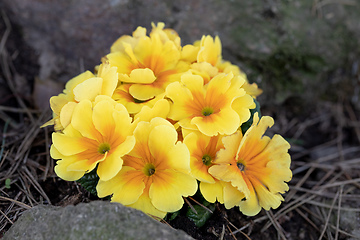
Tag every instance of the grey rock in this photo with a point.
(94, 220)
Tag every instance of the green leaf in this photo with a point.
(202, 214)
(89, 182)
(171, 216)
(246, 125)
(7, 183)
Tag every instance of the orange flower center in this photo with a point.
(207, 111)
(149, 169)
(206, 159)
(241, 166)
(103, 148)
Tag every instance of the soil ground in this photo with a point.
(325, 154)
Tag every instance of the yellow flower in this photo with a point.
(84, 86)
(256, 166)
(210, 52)
(212, 109)
(118, 45)
(203, 151)
(98, 135)
(166, 34)
(149, 64)
(156, 173)
(58, 102)
(251, 89)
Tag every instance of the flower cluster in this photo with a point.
(158, 121)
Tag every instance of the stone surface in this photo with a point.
(94, 220)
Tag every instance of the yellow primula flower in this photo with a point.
(118, 45)
(149, 64)
(256, 166)
(58, 102)
(203, 151)
(99, 134)
(156, 174)
(210, 52)
(220, 107)
(84, 86)
(166, 34)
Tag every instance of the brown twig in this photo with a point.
(16, 202)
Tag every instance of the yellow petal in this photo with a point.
(66, 113)
(232, 195)
(141, 133)
(108, 168)
(192, 82)
(277, 150)
(225, 122)
(275, 180)
(204, 69)
(144, 204)
(123, 126)
(142, 75)
(219, 85)
(212, 191)
(250, 206)
(122, 62)
(110, 79)
(61, 170)
(106, 188)
(189, 53)
(54, 153)
(85, 164)
(82, 120)
(88, 89)
(197, 145)
(102, 117)
(210, 50)
(160, 109)
(178, 95)
(145, 92)
(179, 158)
(161, 139)
(199, 171)
(252, 89)
(72, 83)
(231, 144)
(230, 173)
(253, 141)
(132, 186)
(242, 106)
(267, 199)
(168, 189)
(66, 145)
(57, 102)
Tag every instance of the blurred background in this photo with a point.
(304, 54)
